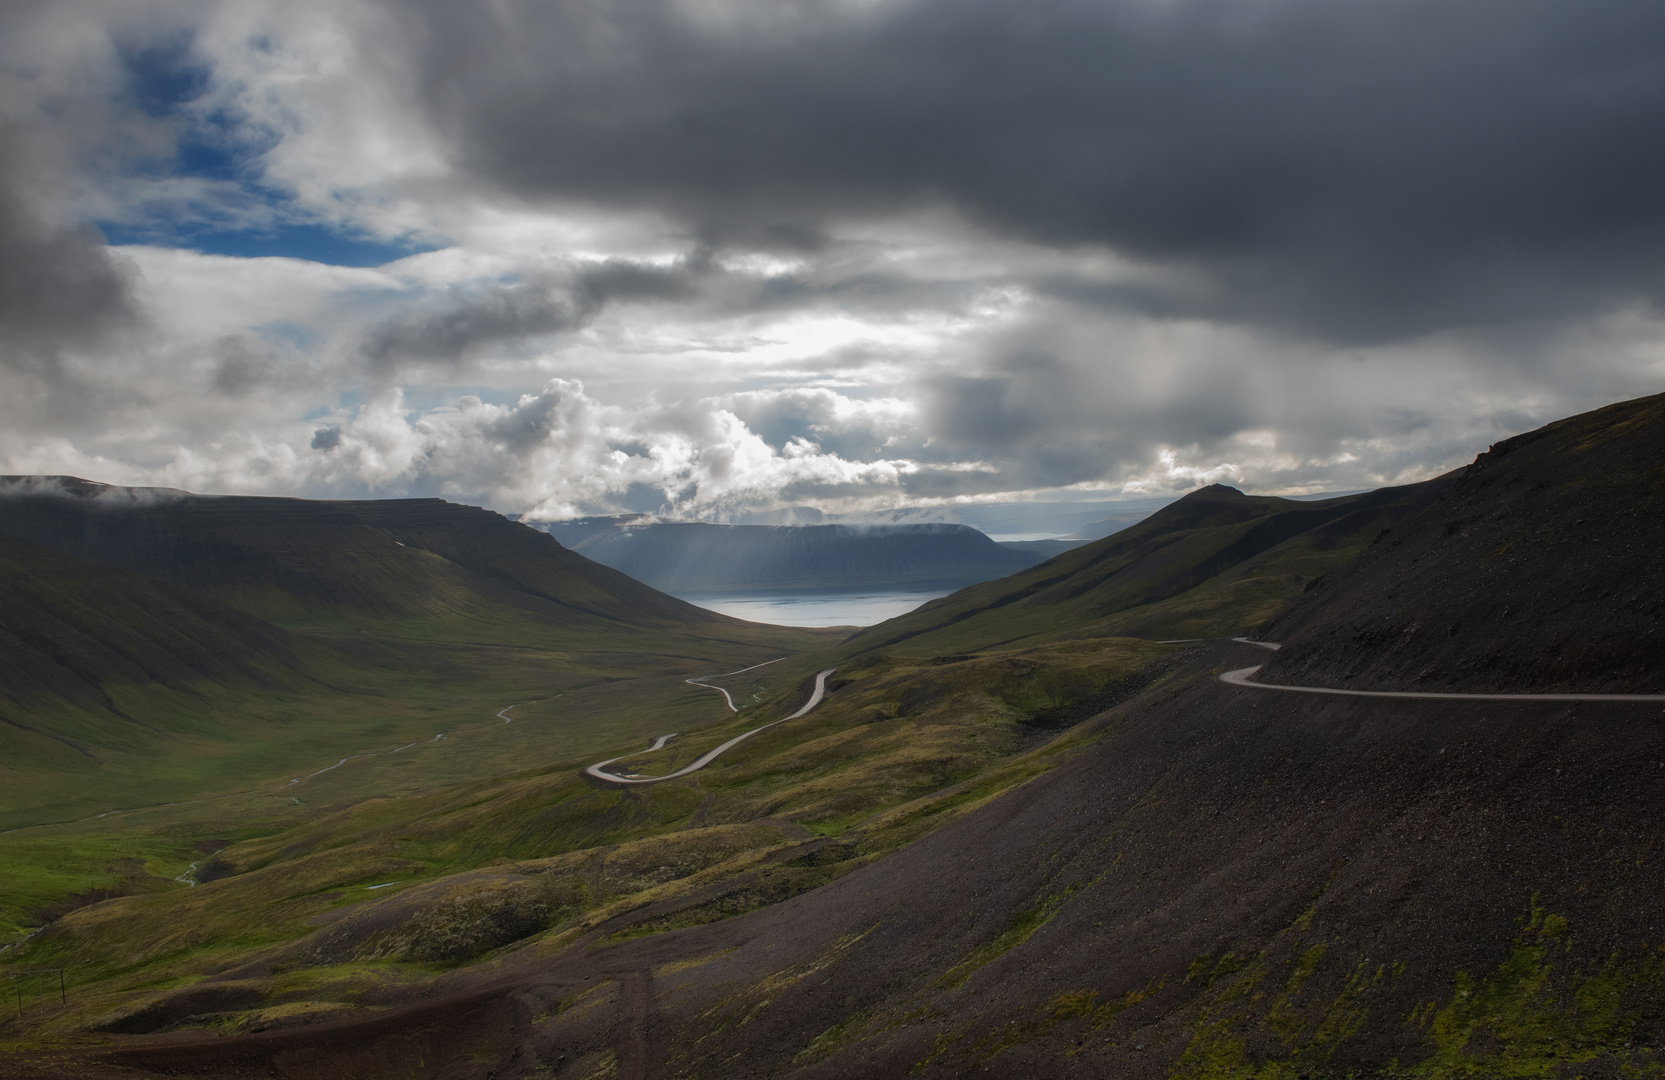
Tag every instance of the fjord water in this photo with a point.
(820, 608)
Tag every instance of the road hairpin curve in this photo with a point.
(596, 770)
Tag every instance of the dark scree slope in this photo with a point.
(1542, 567)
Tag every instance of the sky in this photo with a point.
(710, 258)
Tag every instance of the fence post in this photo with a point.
(40, 975)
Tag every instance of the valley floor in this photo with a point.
(1204, 888)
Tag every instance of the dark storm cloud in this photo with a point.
(546, 303)
(542, 305)
(1361, 170)
(1005, 421)
(58, 287)
(1058, 409)
(60, 294)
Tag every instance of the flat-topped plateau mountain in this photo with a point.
(1011, 840)
(693, 557)
(292, 559)
(158, 640)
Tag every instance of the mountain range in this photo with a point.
(689, 558)
(1209, 565)
(153, 637)
(1029, 831)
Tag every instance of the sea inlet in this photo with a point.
(822, 607)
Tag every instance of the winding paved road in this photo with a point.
(1240, 677)
(711, 755)
(731, 706)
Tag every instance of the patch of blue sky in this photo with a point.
(163, 75)
(311, 241)
(166, 82)
(244, 217)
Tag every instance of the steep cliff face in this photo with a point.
(694, 557)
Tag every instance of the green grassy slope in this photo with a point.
(493, 838)
(302, 561)
(1209, 565)
(108, 677)
(158, 645)
(522, 559)
(69, 626)
(900, 747)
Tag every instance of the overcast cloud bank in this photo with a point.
(702, 258)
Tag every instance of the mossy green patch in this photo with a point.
(1531, 1017)
(1083, 1011)
(1023, 923)
(845, 1031)
(1534, 1015)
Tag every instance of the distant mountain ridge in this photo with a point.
(1210, 565)
(1203, 879)
(286, 559)
(150, 637)
(693, 557)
